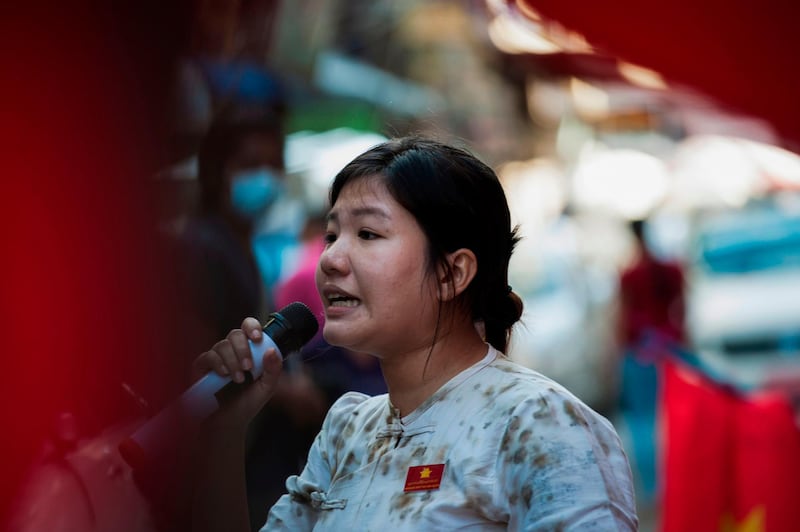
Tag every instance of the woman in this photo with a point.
(414, 272)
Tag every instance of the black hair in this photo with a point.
(223, 139)
(459, 203)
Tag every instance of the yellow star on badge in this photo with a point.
(425, 473)
(753, 522)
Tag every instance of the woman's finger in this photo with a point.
(241, 348)
(252, 328)
(268, 381)
(225, 350)
(208, 361)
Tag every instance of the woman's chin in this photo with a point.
(337, 337)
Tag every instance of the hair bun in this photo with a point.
(501, 315)
(518, 306)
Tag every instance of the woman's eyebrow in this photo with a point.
(358, 212)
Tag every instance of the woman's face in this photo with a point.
(373, 277)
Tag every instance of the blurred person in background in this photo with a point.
(241, 177)
(652, 293)
(247, 232)
(651, 315)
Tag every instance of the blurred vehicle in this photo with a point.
(743, 293)
(567, 329)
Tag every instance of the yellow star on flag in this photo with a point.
(753, 522)
(425, 473)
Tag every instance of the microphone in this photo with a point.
(286, 330)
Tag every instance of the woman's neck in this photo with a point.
(411, 378)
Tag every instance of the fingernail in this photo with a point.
(247, 364)
(256, 335)
(239, 377)
(225, 370)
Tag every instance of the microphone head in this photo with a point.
(300, 326)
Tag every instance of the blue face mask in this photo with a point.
(253, 191)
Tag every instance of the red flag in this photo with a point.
(730, 461)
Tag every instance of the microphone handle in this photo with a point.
(198, 402)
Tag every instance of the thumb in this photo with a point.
(272, 365)
(253, 398)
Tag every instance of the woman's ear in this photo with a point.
(463, 265)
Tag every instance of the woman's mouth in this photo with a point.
(339, 300)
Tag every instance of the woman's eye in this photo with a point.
(329, 238)
(367, 235)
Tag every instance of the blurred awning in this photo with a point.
(742, 54)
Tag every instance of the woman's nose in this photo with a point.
(333, 259)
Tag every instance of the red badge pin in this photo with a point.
(424, 477)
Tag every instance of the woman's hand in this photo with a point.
(232, 357)
(219, 497)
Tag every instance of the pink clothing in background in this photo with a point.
(300, 286)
